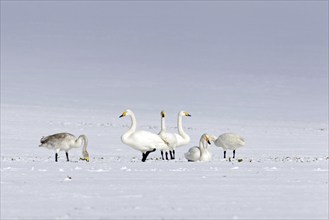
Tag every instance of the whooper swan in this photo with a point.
(143, 141)
(229, 141)
(169, 138)
(180, 139)
(199, 153)
(65, 142)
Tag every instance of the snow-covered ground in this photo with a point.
(268, 83)
(283, 172)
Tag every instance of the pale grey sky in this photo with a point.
(163, 37)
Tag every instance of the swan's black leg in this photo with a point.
(174, 154)
(143, 157)
(162, 155)
(167, 155)
(234, 154)
(67, 156)
(56, 157)
(224, 153)
(171, 155)
(146, 154)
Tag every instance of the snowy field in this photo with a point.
(59, 76)
(283, 173)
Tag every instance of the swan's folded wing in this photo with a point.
(164, 137)
(56, 137)
(193, 154)
(148, 139)
(169, 138)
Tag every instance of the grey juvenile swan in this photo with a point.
(65, 142)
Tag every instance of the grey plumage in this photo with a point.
(65, 142)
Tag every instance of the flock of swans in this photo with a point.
(147, 142)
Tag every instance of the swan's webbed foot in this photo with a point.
(67, 156)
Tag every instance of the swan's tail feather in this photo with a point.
(242, 140)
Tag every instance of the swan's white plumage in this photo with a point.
(193, 154)
(201, 152)
(65, 142)
(229, 141)
(174, 140)
(169, 138)
(143, 141)
(182, 138)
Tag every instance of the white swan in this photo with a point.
(65, 142)
(199, 153)
(229, 141)
(181, 138)
(169, 138)
(143, 141)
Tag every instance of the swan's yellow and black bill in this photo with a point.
(208, 140)
(86, 159)
(163, 114)
(123, 114)
(187, 114)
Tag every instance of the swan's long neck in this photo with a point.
(82, 138)
(133, 126)
(85, 154)
(180, 128)
(201, 144)
(163, 124)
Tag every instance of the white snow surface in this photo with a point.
(56, 77)
(283, 173)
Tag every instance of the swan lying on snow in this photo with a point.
(229, 141)
(143, 141)
(65, 142)
(200, 153)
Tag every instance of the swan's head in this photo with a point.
(206, 138)
(85, 156)
(163, 114)
(183, 113)
(125, 113)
